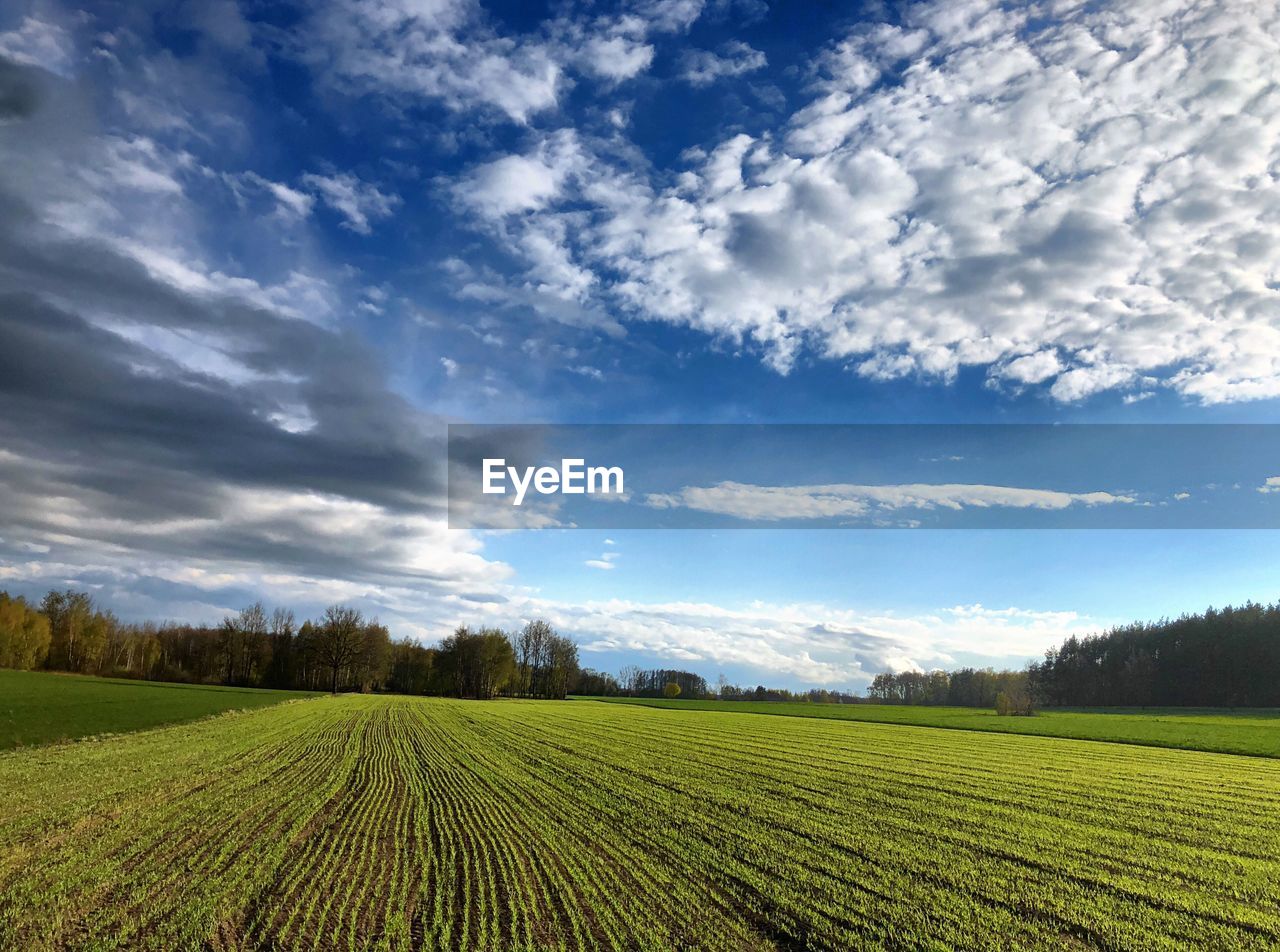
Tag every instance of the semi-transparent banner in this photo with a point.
(721, 476)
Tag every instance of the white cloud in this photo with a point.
(617, 57)
(1078, 197)
(508, 195)
(1271, 485)
(1083, 382)
(440, 49)
(359, 203)
(810, 643)
(607, 560)
(1032, 368)
(767, 503)
(291, 203)
(522, 183)
(704, 67)
(450, 366)
(140, 164)
(38, 43)
(451, 51)
(671, 16)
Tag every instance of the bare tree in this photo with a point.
(230, 644)
(629, 677)
(255, 644)
(282, 624)
(531, 648)
(341, 641)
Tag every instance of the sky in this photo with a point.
(255, 258)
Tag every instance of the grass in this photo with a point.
(1252, 732)
(387, 823)
(39, 708)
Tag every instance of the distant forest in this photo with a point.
(340, 651)
(968, 687)
(1221, 658)
(1226, 657)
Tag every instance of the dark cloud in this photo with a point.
(71, 386)
(19, 92)
(112, 433)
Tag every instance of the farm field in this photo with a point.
(1253, 732)
(37, 707)
(359, 822)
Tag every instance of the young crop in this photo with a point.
(389, 823)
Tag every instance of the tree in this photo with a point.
(280, 670)
(24, 634)
(245, 645)
(478, 664)
(1014, 702)
(531, 648)
(230, 639)
(374, 663)
(671, 690)
(413, 668)
(629, 677)
(76, 639)
(256, 647)
(340, 641)
(653, 682)
(562, 667)
(1222, 658)
(546, 663)
(593, 683)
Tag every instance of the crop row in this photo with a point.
(397, 823)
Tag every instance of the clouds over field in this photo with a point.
(808, 643)
(181, 440)
(252, 261)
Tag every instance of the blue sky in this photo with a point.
(256, 256)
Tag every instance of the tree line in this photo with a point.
(967, 687)
(1226, 657)
(339, 651)
(1220, 658)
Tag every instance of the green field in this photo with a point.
(1252, 732)
(361, 822)
(38, 708)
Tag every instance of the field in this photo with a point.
(1253, 732)
(37, 707)
(393, 823)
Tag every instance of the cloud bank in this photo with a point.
(771, 503)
